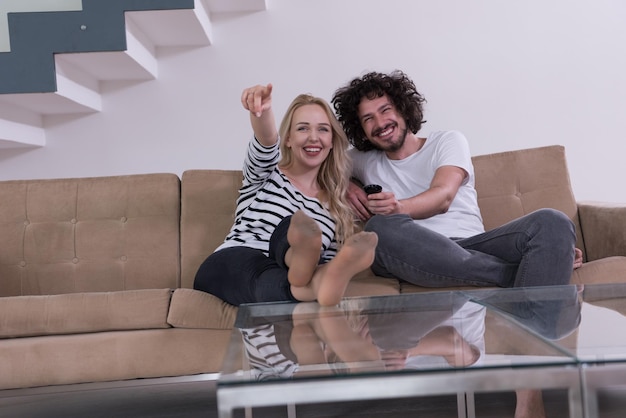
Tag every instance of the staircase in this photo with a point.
(54, 54)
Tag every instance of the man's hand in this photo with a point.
(364, 205)
(383, 203)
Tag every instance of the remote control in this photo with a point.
(372, 188)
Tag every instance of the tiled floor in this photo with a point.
(163, 398)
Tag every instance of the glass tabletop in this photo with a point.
(439, 331)
(601, 336)
(589, 327)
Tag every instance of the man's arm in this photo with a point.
(434, 201)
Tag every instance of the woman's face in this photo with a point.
(310, 136)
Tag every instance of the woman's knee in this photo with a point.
(278, 241)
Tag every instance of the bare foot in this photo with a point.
(305, 238)
(578, 258)
(356, 255)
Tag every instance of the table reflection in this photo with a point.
(364, 335)
(431, 331)
(553, 312)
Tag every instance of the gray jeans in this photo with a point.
(534, 250)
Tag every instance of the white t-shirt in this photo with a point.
(411, 176)
(469, 321)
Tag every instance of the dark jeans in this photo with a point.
(245, 275)
(534, 250)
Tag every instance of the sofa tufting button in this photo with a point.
(124, 219)
(75, 260)
(27, 222)
(123, 258)
(22, 263)
(73, 221)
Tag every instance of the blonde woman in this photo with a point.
(293, 237)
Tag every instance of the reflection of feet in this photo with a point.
(356, 255)
(305, 240)
(463, 353)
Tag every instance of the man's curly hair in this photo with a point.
(397, 86)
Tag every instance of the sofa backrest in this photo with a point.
(513, 183)
(208, 201)
(509, 185)
(122, 232)
(89, 234)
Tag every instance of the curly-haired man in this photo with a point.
(429, 226)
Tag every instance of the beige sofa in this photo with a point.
(96, 273)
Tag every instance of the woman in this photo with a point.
(293, 237)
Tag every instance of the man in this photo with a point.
(429, 227)
(427, 219)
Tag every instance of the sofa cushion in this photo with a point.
(195, 309)
(99, 234)
(605, 270)
(26, 316)
(602, 226)
(108, 356)
(367, 283)
(514, 183)
(208, 201)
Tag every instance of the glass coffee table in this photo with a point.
(425, 344)
(601, 346)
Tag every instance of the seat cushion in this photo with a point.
(74, 313)
(605, 270)
(367, 284)
(195, 309)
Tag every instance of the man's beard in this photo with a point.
(393, 146)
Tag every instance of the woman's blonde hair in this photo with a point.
(334, 174)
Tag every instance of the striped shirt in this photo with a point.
(264, 356)
(266, 197)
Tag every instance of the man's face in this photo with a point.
(384, 127)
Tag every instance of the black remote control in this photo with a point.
(372, 188)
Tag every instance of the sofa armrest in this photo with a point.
(603, 228)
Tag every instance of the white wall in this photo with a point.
(508, 74)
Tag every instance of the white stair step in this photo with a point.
(79, 74)
(163, 26)
(236, 6)
(20, 128)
